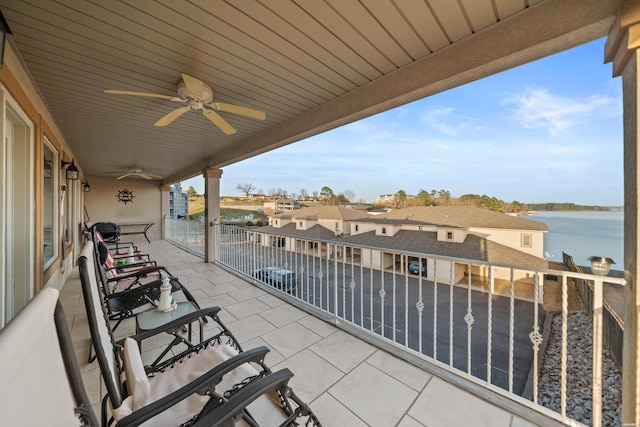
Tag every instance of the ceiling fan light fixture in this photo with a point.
(206, 96)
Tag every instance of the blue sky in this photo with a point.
(548, 131)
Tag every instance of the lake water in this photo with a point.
(584, 234)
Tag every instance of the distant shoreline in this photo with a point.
(569, 207)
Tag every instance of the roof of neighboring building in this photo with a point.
(458, 216)
(425, 242)
(315, 232)
(324, 212)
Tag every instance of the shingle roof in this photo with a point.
(473, 247)
(425, 242)
(458, 216)
(324, 212)
(315, 232)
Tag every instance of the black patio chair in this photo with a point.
(129, 293)
(40, 380)
(210, 383)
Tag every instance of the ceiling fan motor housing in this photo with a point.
(207, 93)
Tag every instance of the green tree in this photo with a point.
(516, 206)
(191, 192)
(424, 198)
(327, 194)
(490, 203)
(401, 199)
(470, 199)
(445, 196)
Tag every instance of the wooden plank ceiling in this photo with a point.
(310, 65)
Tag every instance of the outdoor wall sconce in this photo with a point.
(4, 30)
(72, 170)
(85, 187)
(600, 265)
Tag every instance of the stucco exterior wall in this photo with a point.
(103, 206)
(363, 227)
(331, 224)
(511, 238)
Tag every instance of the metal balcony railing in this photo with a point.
(189, 235)
(468, 319)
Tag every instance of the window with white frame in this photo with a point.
(50, 207)
(525, 240)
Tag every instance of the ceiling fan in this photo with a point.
(197, 95)
(135, 172)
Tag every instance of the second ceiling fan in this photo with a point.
(197, 96)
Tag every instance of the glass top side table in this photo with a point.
(152, 319)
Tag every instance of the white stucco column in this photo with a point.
(621, 49)
(164, 207)
(211, 210)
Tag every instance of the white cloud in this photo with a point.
(536, 108)
(443, 120)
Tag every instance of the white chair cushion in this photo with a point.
(34, 389)
(188, 370)
(137, 381)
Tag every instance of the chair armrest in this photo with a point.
(238, 402)
(121, 255)
(133, 266)
(138, 273)
(210, 378)
(137, 290)
(142, 259)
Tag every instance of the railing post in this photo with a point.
(215, 231)
(335, 283)
(597, 353)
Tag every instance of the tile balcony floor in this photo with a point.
(346, 381)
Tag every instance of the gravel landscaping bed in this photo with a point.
(579, 368)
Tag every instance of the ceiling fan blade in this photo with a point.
(217, 120)
(236, 109)
(149, 95)
(194, 86)
(164, 121)
(149, 176)
(125, 175)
